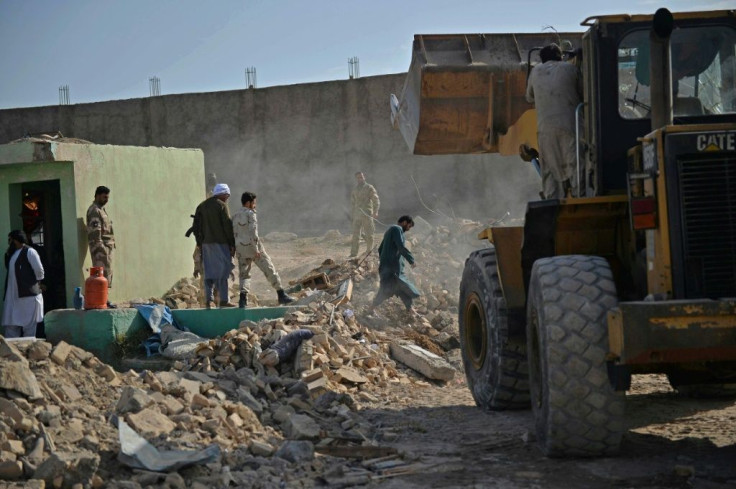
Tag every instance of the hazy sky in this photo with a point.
(108, 49)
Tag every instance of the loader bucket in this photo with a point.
(466, 93)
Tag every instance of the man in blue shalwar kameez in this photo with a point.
(392, 253)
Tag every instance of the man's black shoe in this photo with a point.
(243, 300)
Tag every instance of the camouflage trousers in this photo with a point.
(368, 227)
(102, 257)
(245, 263)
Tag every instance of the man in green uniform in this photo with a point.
(99, 233)
(392, 252)
(365, 203)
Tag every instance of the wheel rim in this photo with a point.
(475, 336)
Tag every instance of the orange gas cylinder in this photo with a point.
(95, 289)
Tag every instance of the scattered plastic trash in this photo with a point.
(137, 453)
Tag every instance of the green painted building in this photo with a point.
(46, 188)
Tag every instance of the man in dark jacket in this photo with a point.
(393, 252)
(23, 306)
(213, 229)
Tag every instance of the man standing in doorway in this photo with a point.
(365, 203)
(250, 250)
(213, 230)
(23, 308)
(99, 233)
(392, 252)
(555, 87)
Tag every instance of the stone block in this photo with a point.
(11, 470)
(423, 361)
(150, 423)
(61, 352)
(132, 400)
(301, 427)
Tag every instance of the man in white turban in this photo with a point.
(213, 230)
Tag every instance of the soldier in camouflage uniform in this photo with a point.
(249, 250)
(365, 203)
(99, 233)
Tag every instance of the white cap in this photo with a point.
(221, 189)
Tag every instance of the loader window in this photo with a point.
(703, 72)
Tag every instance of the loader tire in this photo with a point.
(576, 411)
(495, 364)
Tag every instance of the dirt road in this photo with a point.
(671, 442)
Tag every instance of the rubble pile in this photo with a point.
(60, 408)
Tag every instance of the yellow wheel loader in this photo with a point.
(634, 274)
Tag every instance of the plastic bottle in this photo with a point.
(95, 289)
(78, 298)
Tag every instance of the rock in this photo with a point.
(13, 446)
(199, 401)
(9, 409)
(9, 352)
(423, 361)
(350, 375)
(296, 451)
(175, 481)
(191, 386)
(18, 376)
(172, 405)
(69, 392)
(71, 432)
(132, 400)
(447, 341)
(109, 374)
(301, 427)
(39, 350)
(11, 470)
(51, 468)
(280, 237)
(260, 449)
(247, 398)
(61, 352)
(150, 423)
(283, 413)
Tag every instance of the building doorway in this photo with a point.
(38, 204)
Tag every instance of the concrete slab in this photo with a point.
(100, 331)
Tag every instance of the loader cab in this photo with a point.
(616, 71)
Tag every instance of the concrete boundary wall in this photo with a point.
(298, 147)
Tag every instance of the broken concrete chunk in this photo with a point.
(132, 400)
(301, 427)
(61, 352)
(39, 350)
(350, 375)
(150, 423)
(296, 451)
(423, 361)
(18, 376)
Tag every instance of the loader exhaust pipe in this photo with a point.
(660, 68)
